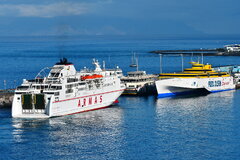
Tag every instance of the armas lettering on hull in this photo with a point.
(87, 101)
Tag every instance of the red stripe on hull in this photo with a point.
(86, 96)
(88, 110)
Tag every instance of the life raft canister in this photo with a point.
(94, 76)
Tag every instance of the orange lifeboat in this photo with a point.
(94, 76)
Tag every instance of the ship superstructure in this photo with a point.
(66, 91)
(196, 78)
(139, 83)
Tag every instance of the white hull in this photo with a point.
(85, 103)
(67, 106)
(180, 86)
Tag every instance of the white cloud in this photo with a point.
(47, 10)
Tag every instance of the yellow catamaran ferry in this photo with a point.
(199, 77)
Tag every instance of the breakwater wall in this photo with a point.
(6, 97)
(205, 52)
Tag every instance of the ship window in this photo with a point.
(54, 74)
(56, 87)
(69, 80)
(59, 87)
(80, 89)
(70, 86)
(56, 98)
(48, 92)
(53, 87)
(22, 87)
(42, 87)
(69, 91)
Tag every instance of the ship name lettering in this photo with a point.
(95, 100)
(214, 83)
(90, 100)
(82, 102)
(225, 83)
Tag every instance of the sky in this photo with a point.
(119, 17)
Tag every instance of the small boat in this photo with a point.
(134, 61)
(139, 83)
(232, 48)
(133, 65)
(65, 91)
(199, 78)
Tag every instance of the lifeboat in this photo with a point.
(94, 76)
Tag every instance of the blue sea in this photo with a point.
(186, 127)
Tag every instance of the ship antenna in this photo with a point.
(182, 61)
(104, 65)
(137, 63)
(132, 58)
(160, 57)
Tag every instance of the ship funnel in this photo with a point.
(63, 61)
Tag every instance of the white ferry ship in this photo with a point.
(66, 91)
(197, 79)
(139, 83)
(232, 48)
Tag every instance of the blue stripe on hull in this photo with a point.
(163, 95)
(221, 90)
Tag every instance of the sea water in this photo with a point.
(186, 127)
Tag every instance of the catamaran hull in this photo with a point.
(184, 86)
(54, 108)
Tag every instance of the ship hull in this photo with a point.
(182, 92)
(72, 105)
(185, 86)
